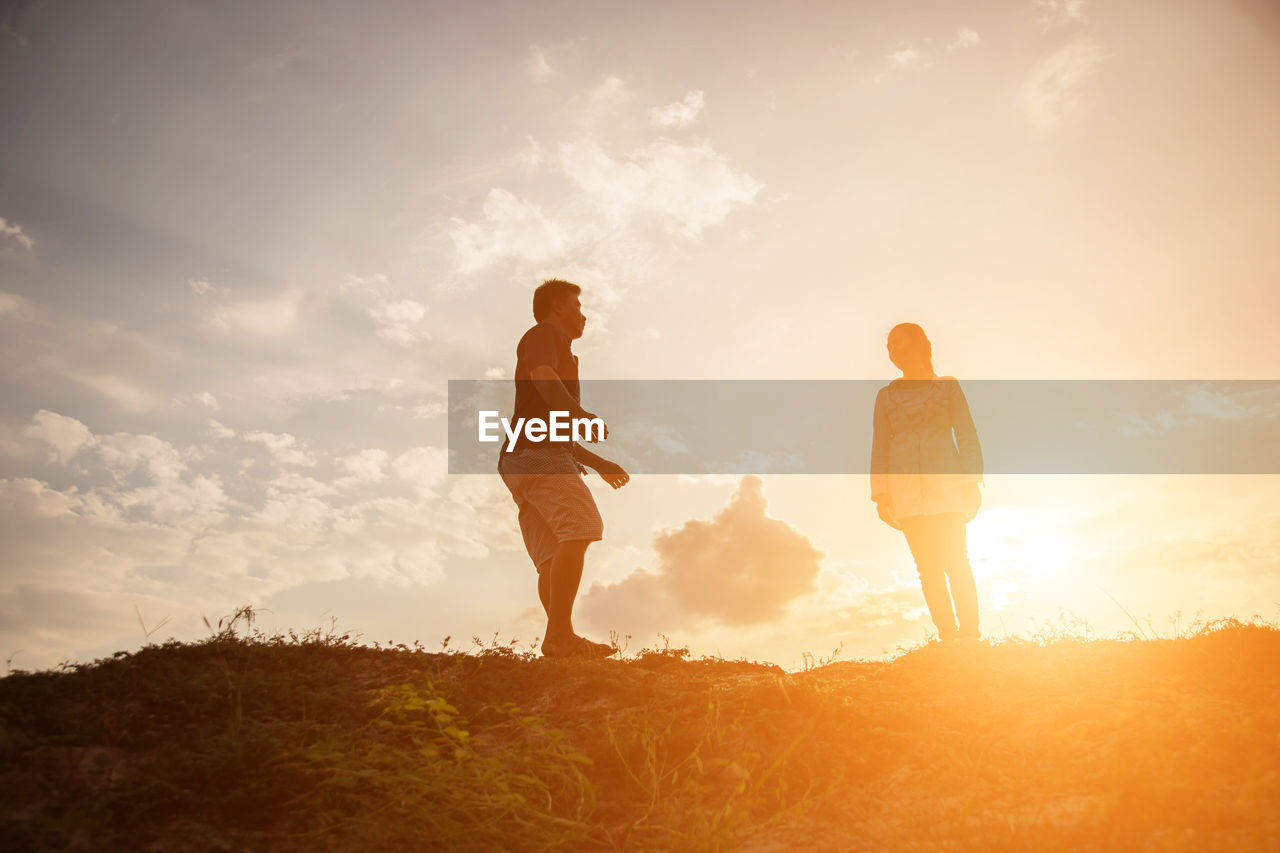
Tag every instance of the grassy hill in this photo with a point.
(245, 741)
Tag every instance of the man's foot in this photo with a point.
(574, 646)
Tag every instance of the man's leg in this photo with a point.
(566, 574)
(544, 587)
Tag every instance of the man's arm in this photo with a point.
(611, 472)
(552, 390)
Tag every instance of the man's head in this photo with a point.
(557, 301)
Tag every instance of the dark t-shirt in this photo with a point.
(543, 344)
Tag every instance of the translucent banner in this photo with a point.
(826, 426)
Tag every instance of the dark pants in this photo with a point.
(938, 546)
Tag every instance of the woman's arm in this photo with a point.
(881, 433)
(966, 435)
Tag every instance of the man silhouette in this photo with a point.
(558, 517)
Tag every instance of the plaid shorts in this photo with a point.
(555, 504)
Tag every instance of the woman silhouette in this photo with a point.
(924, 482)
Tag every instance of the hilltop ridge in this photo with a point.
(285, 742)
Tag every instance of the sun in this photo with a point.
(1021, 548)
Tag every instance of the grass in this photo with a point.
(313, 741)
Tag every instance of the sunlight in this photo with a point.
(1010, 545)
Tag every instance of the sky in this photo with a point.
(244, 247)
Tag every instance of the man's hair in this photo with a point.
(549, 293)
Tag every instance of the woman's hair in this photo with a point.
(915, 333)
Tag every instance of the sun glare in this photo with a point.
(1008, 544)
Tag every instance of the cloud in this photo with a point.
(141, 518)
(424, 467)
(123, 453)
(266, 317)
(285, 449)
(512, 229)
(538, 66)
(202, 286)
(367, 466)
(689, 187)
(608, 96)
(1058, 13)
(531, 154)
(681, 114)
(219, 430)
(907, 57)
(965, 38)
(204, 398)
(1053, 92)
(376, 284)
(13, 237)
(740, 568)
(64, 435)
(398, 321)
(1196, 402)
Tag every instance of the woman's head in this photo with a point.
(909, 348)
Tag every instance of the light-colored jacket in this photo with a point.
(924, 448)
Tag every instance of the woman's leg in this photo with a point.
(926, 536)
(963, 588)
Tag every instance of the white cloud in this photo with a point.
(610, 94)
(425, 467)
(12, 236)
(65, 436)
(285, 449)
(538, 66)
(908, 57)
(35, 497)
(681, 114)
(123, 453)
(220, 431)
(430, 410)
(377, 284)
(1057, 13)
(398, 321)
(201, 286)
(495, 373)
(690, 187)
(204, 398)
(531, 154)
(965, 38)
(740, 568)
(367, 466)
(1053, 92)
(512, 229)
(266, 317)
(157, 531)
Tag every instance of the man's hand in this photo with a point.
(612, 473)
(594, 435)
(972, 501)
(884, 508)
